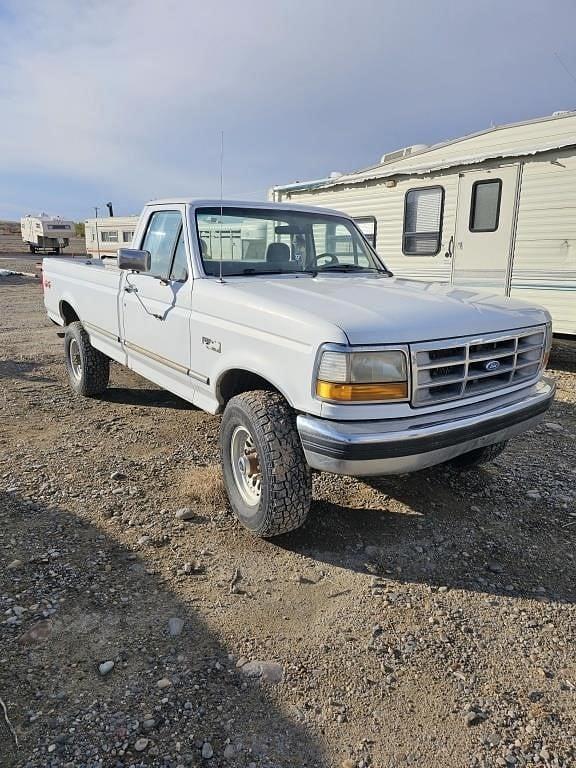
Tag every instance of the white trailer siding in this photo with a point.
(531, 252)
(104, 236)
(544, 266)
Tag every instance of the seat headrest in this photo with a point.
(277, 253)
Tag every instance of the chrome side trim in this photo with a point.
(168, 363)
(198, 377)
(101, 331)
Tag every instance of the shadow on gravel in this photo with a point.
(501, 545)
(563, 355)
(21, 369)
(92, 601)
(148, 398)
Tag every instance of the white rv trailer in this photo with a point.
(46, 233)
(494, 210)
(104, 236)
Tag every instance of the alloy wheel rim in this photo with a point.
(246, 466)
(75, 359)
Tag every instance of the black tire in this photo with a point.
(88, 369)
(57, 251)
(285, 478)
(478, 456)
(32, 249)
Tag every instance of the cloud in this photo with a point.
(128, 98)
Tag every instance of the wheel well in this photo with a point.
(236, 381)
(67, 313)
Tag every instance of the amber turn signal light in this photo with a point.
(350, 393)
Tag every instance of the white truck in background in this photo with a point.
(46, 233)
(284, 319)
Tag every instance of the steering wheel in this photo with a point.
(332, 259)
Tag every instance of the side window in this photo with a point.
(161, 239)
(179, 271)
(485, 205)
(423, 210)
(110, 236)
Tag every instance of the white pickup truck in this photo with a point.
(284, 319)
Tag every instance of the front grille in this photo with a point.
(466, 367)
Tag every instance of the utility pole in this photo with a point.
(96, 228)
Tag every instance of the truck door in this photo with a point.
(156, 307)
(484, 223)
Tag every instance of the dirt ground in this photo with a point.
(426, 621)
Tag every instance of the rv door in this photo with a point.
(484, 225)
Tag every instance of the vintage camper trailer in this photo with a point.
(44, 233)
(494, 210)
(106, 235)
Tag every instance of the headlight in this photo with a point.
(362, 376)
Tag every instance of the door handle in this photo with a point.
(449, 253)
(130, 289)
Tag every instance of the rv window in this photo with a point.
(423, 208)
(485, 205)
(110, 236)
(367, 225)
(127, 237)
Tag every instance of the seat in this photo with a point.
(278, 253)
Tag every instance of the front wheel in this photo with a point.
(88, 369)
(266, 475)
(478, 456)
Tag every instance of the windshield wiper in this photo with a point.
(253, 271)
(348, 268)
(261, 273)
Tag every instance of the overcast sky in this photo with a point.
(124, 100)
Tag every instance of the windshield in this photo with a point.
(254, 241)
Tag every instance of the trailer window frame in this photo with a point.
(406, 234)
(358, 220)
(105, 235)
(475, 185)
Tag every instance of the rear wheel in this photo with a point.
(32, 249)
(266, 475)
(88, 369)
(478, 456)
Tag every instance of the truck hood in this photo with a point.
(379, 310)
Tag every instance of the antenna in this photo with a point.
(221, 197)
(565, 67)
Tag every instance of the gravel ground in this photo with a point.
(421, 621)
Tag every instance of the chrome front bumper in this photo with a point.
(396, 446)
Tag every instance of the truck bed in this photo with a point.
(89, 289)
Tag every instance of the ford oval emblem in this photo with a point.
(492, 365)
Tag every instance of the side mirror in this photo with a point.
(134, 260)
